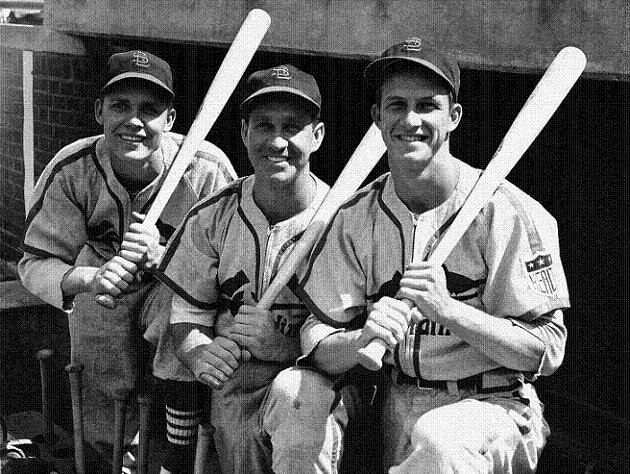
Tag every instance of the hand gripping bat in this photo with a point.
(550, 91)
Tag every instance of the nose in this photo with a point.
(412, 118)
(278, 142)
(135, 118)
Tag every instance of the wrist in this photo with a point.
(193, 340)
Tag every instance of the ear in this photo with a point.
(244, 128)
(455, 116)
(376, 115)
(170, 120)
(318, 136)
(98, 111)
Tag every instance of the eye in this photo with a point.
(427, 106)
(118, 106)
(293, 128)
(263, 125)
(395, 105)
(151, 110)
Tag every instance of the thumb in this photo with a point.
(248, 299)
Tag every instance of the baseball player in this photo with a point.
(485, 325)
(220, 262)
(84, 234)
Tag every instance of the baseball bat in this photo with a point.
(144, 405)
(120, 408)
(44, 357)
(232, 68)
(553, 87)
(75, 370)
(366, 155)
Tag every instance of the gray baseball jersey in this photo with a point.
(507, 264)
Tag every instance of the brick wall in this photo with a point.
(63, 94)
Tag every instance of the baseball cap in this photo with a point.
(286, 79)
(418, 51)
(138, 64)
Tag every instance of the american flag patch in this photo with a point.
(540, 274)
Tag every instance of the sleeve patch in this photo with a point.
(540, 274)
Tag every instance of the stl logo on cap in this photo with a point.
(141, 59)
(413, 44)
(281, 73)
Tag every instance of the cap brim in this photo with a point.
(279, 89)
(138, 75)
(375, 69)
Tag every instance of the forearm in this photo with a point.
(187, 336)
(337, 352)
(78, 280)
(509, 344)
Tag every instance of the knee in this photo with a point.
(298, 389)
(433, 437)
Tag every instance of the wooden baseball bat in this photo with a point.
(75, 370)
(44, 357)
(144, 406)
(120, 409)
(549, 93)
(366, 155)
(232, 68)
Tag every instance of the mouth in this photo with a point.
(131, 138)
(411, 137)
(276, 158)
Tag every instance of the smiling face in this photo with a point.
(134, 117)
(280, 136)
(415, 116)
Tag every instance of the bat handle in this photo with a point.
(106, 301)
(44, 357)
(371, 356)
(74, 374)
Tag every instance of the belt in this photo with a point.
(473, 382)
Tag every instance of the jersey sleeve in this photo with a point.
(190, 267)
(55, 233)
(217, 170)
(335, 281)
(525, 274)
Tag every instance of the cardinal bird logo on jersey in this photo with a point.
(231, 287)
(461, 287)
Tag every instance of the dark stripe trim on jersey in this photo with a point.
(417, 337)
(119, 205)
(206, 202)
(388, 212)
(298, 290)
(322, 240)
(249, 225)
(430, 248)
(283, 249)
(184, 294)
(535, 242)
(79, 154)
(42, 253)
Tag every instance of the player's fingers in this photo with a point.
(130, 267)
(227, 358)
(243, 341)
(373, 330)
(208, 379)
(132, 256)
(138, 217)
(245, 355)
(230, 346)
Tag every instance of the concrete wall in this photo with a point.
(513, 35)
